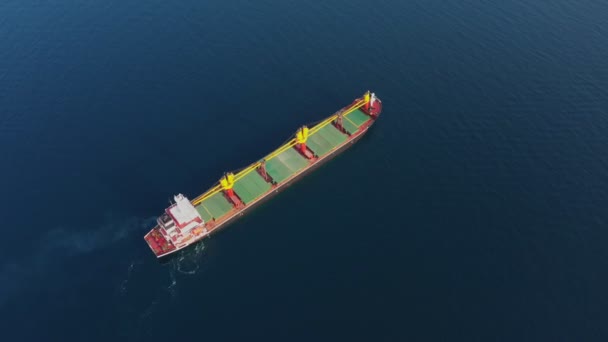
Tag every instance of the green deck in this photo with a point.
(285, 164)
(325, 139)
(214, 207)
(353, 120)
(250, 187)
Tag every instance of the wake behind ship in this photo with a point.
(186, 222)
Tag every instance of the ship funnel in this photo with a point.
(180, 202)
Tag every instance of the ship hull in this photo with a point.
(221, 205)
(354, 138)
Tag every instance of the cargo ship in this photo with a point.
(186, 221)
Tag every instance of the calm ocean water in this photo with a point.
(475, 210)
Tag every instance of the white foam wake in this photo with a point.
(59, 245)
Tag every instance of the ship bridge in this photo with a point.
(181, 217)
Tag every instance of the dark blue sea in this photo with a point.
(474, 210)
